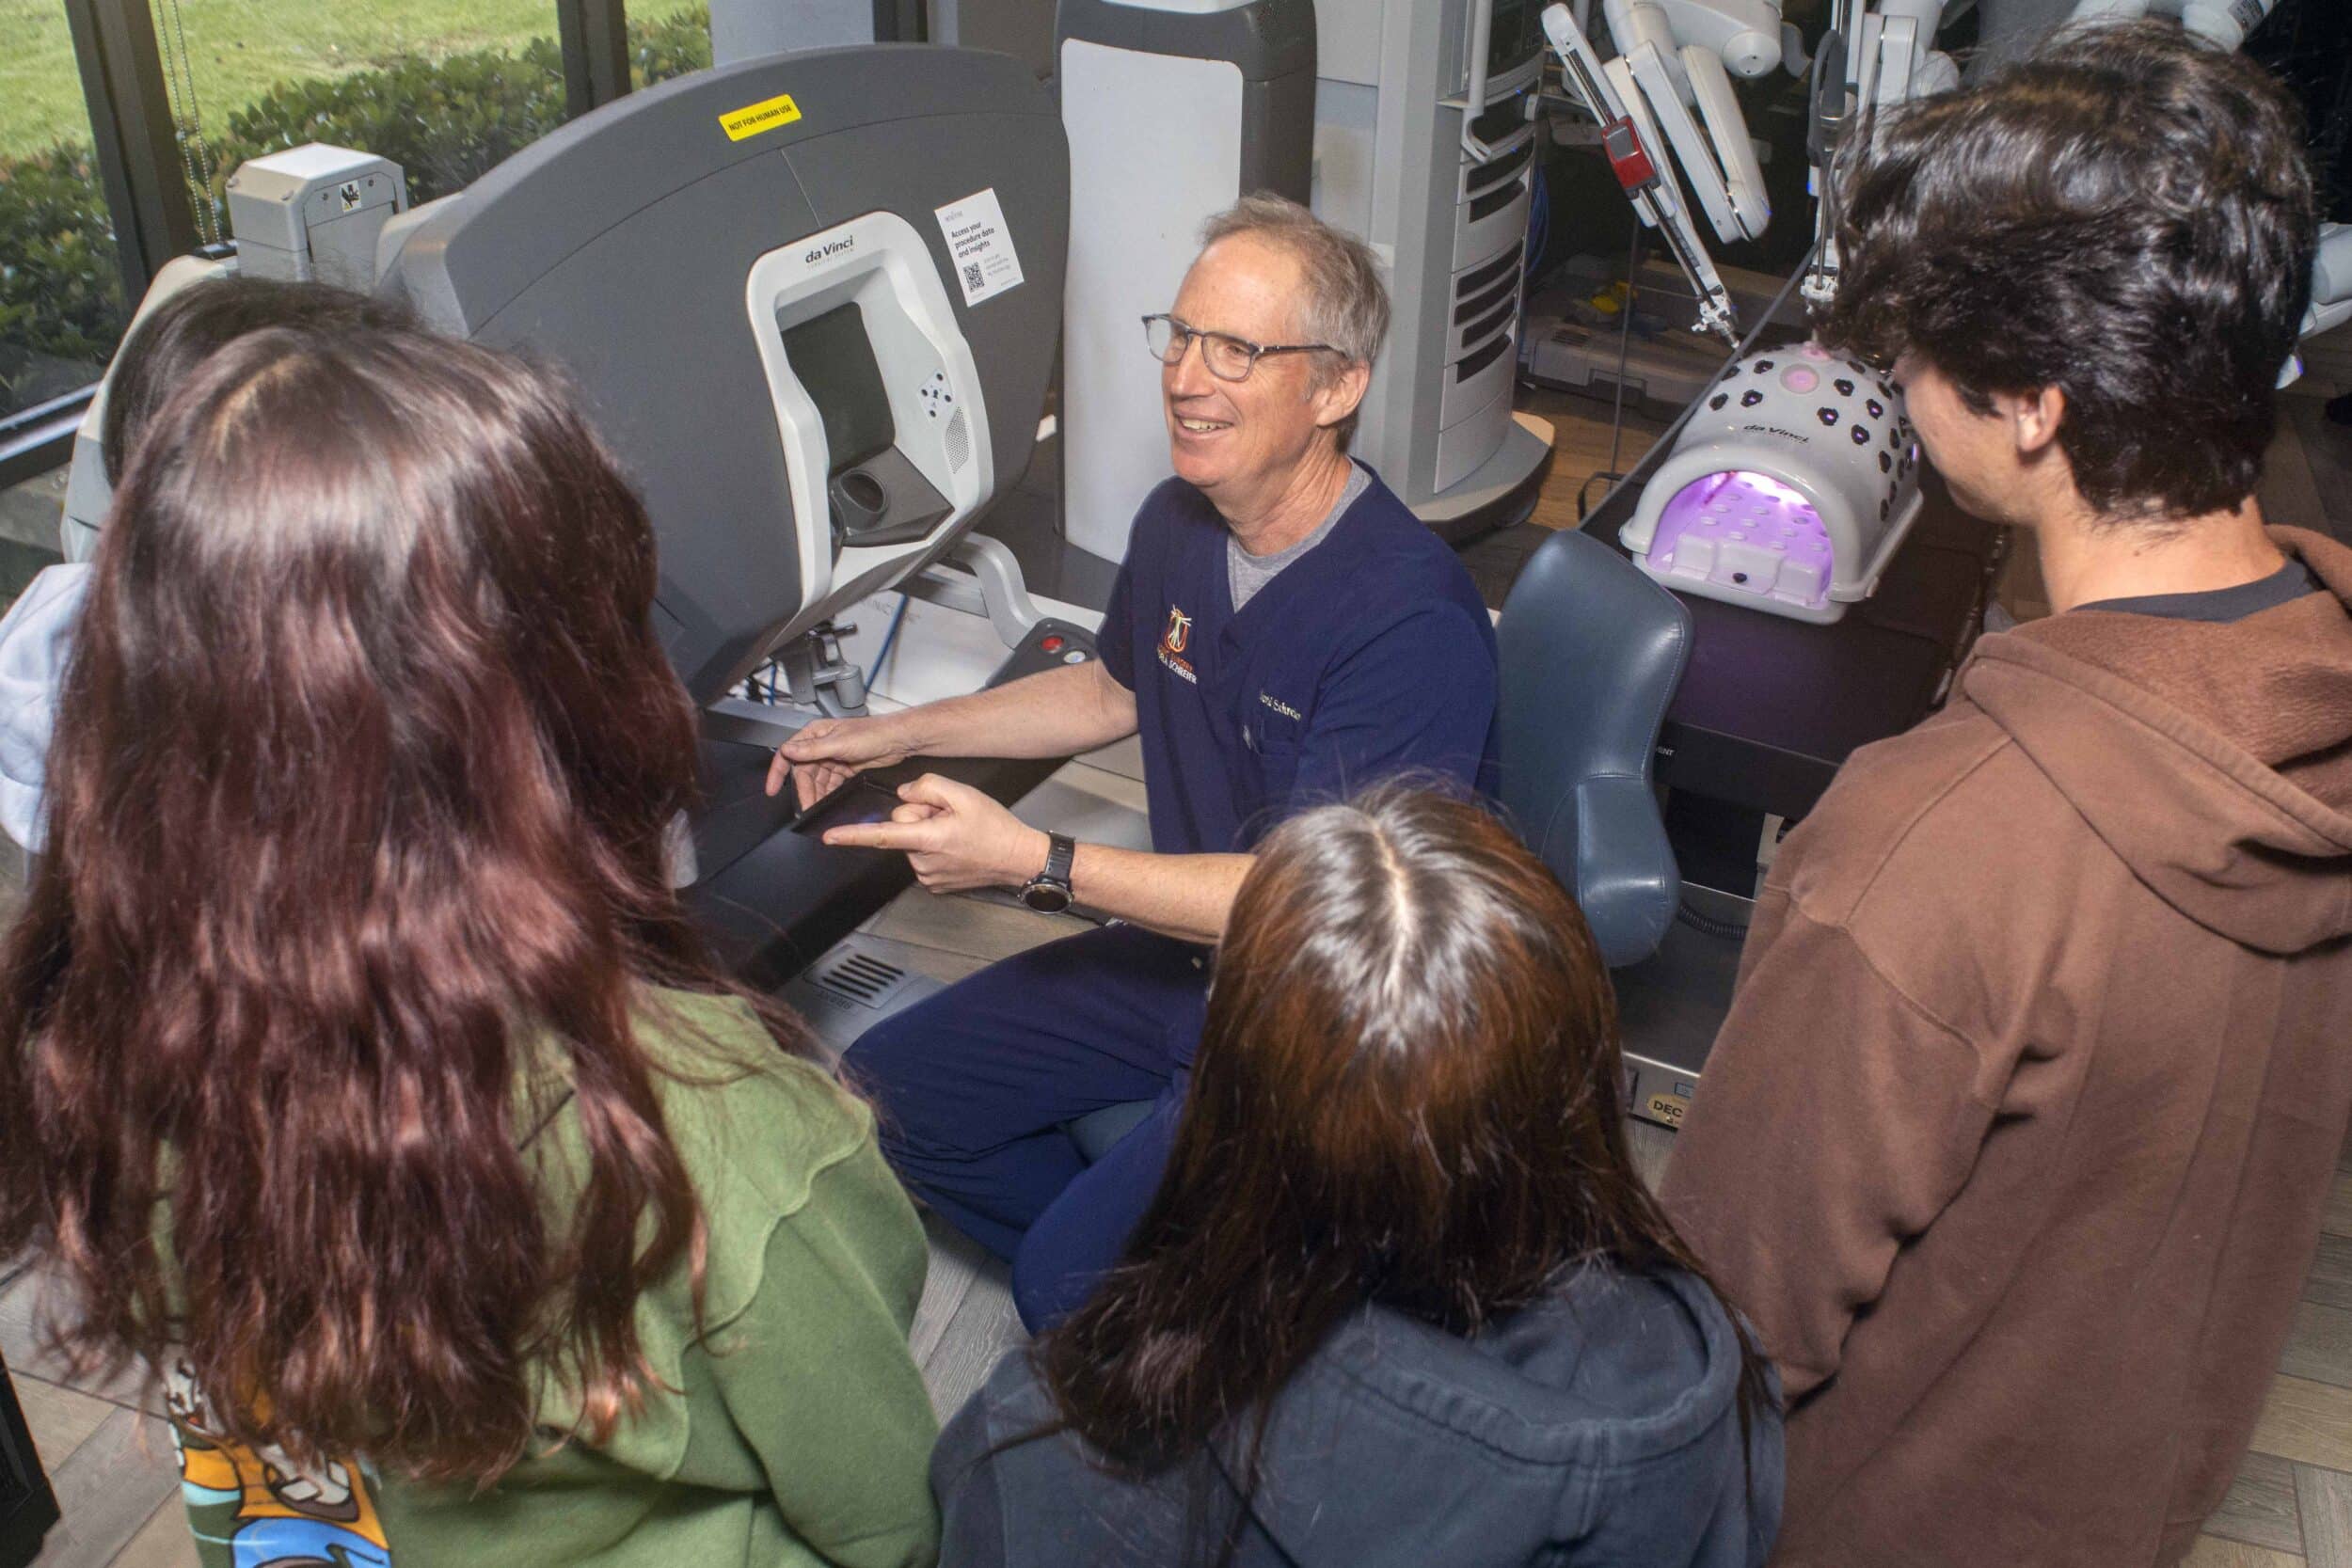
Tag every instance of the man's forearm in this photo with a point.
(1187, 896)
(1050, 714)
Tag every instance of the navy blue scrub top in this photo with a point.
(1370, 656)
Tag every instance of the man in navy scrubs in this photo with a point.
(1283, 633)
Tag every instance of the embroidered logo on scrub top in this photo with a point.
(1279, 706)
(1172, 643)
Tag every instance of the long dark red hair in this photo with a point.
(1408, 1091)
(356, 814)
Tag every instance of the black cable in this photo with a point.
(1625, 362)
(1625, 351)
(1729, 930)
(1583, 510)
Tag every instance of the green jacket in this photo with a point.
(800, 1430)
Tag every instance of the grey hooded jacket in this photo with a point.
(1602, 1426)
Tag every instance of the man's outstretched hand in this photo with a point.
(955, 836)
(823, 757)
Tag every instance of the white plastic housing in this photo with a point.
(1788, 490)
(879, 262)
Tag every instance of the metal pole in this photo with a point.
(132, 134)
(901, 21)
(595, 53)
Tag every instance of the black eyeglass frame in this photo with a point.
(1189, 334)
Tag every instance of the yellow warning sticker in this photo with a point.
(766, 115)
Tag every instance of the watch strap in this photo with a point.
(1061, 854)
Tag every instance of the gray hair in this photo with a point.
(1346, 305)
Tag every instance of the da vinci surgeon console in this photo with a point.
(812, 302)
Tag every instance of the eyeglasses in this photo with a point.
(1228, 357)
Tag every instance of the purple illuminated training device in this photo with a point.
(1745, 531)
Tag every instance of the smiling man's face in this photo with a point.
(1240, 437)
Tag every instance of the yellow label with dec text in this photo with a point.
(1667, 1108)
(766, 115)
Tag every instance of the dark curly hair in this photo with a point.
(2127, 215)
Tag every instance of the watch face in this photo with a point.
(1046, 897)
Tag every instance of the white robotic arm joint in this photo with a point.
(2226, 23)
(1675, 57)
(1743, 34)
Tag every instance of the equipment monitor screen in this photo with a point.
(834, 360)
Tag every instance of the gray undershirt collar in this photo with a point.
(1245, 575)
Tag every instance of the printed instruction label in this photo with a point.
(979, 246)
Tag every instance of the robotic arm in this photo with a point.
(1673, 74)
(1638, 159)
(1896, 58)
(1889, 58)
(1677, 56)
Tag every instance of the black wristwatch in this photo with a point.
(1048, 892)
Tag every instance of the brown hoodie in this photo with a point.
(2016, 1140)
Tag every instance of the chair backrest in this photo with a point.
(1592, 652)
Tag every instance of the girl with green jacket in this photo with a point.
(360, 1073)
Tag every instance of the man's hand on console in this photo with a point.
(955, 837)
(823, 757)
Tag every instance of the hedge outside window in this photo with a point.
(446, 88)
(61, 305)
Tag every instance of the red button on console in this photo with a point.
(1051, 644)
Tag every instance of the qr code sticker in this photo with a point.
(980, 256)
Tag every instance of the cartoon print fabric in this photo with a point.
(251, 1508)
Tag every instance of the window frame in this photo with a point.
(136, 147)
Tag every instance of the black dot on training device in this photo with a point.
(1718, 400)
(1749, 400)
(1763, 365)
(1844, 388)
(1878, 409)
(1886, 464)
(1861, 436)
(1883, 505)
(1827, 416)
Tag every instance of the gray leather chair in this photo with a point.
(1592, 652)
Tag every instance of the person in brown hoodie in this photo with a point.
(2015, 1141)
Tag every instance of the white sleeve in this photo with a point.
(36, 641)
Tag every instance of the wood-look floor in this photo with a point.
(113, 1471)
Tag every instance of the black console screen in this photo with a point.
(834, 360)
